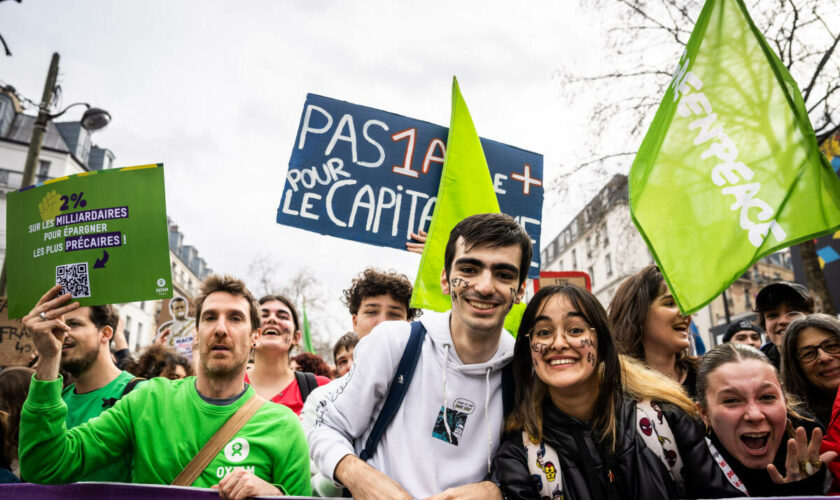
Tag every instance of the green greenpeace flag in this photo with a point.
(465, 189)
(729, 170)
(101, 234)
(307, 335)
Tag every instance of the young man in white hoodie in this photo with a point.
(442, 437)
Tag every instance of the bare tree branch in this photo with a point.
(820, 66)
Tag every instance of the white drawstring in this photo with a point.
(445, 365)
(487, 419)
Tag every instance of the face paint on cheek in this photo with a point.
(539, 348)
(590, 358)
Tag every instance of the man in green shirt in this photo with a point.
(86, 355)
(164, 425)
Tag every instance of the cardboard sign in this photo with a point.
(550, 278)
(103, 235)
(367, 175)
(16, 348)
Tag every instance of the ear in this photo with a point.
(107, 334)
(521, 292)
(355, 322)
(703, 415)
(255, 337)
(444, 282)
(296, 338)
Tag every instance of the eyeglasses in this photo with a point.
(546, 336)
(809, 353)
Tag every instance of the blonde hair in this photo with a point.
(643, 383)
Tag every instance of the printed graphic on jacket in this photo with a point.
(456, 418)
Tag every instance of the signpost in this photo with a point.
(372, 176)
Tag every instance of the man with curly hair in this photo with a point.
(373, 297)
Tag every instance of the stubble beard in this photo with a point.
(79, 365)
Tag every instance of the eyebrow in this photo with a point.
(572, 314)
(475, 262)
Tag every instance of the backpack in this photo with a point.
(401, 381)
(306, 383)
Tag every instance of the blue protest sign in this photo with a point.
(372, 176)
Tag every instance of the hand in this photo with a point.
(417, 247)
(241, 484)
(119, 335)
(803, 458)
(163, 337)
(48, 331)
(484, 490)
(364, 481)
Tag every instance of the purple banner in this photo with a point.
(91, 215)
(120, 491)
(88, 241)
(107, 491)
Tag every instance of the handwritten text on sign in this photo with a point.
(368, 175)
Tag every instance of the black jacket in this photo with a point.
(638, 473)
(758, 482)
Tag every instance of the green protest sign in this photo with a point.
(103, 235)
(729, 170)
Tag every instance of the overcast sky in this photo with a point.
(214, 90)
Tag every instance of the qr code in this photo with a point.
(74, 279)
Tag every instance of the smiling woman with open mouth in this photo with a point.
(750, 424)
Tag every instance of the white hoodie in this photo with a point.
(417, 450)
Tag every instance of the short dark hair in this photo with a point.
(348, 340)
(312, 363)
(285, 300)
(795, 295)
(373, 283)
(492, 230)
(226, 283)
(105, 315)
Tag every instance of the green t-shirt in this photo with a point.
(83, 407)
(160, 427)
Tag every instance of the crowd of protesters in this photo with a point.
(582, 402)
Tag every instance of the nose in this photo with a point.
(822, 356)
(380, 318)
(753, 412)
(484, 283)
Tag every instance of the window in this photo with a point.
(43, 170)
(592, 276)
(608, 262)
(588, 247)
(747, 299)
(574, 259)
(561, 265)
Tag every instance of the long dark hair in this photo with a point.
(531, 391)
(816, 401)
(629, 311)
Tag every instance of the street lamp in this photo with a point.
(92, 119)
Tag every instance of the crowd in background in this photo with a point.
(584, 401)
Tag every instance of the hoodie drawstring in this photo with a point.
(445, 366)
(487, 418)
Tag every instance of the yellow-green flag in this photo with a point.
(465, 189)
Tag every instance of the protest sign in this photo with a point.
(551, 278)
(16, 348)
(103, 235)
(372, 176)
(729, 170)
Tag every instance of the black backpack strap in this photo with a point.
(131, 385)
(306, 383)
(398, 389)
(508, 389)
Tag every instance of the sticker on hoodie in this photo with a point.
(455, 418)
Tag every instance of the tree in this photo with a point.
(3, 41)
(648, 37)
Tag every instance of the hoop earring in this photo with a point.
(708, 431)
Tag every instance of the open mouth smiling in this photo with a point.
(755, 442)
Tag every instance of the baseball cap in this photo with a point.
(737, 326)
(771, 295)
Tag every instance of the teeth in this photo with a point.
(756, 435)
(555, 362)
(480, 305)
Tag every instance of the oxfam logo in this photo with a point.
(161, 282)
(237, 450)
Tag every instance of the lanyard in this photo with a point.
(727, 470)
